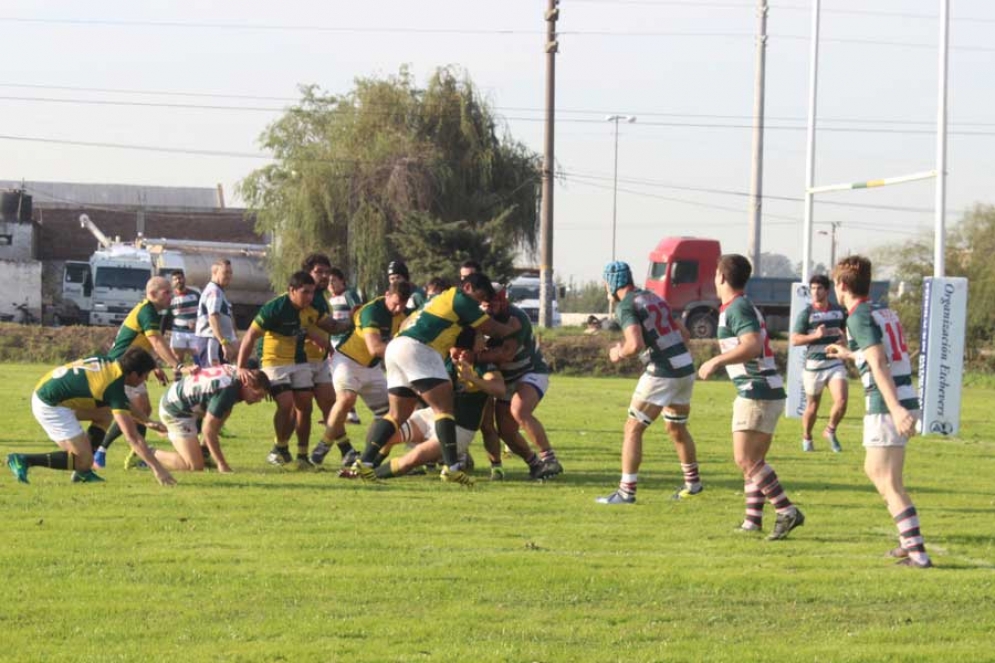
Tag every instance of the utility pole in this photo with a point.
(546, 212)
(756, 181)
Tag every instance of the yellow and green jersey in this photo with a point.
(311, 351)
(440, 322)
(372, 318)
(283, 326)
(85, 384)
(468, 400)
(142, 322)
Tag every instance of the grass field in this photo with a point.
(267, 565)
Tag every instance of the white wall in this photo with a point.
(22, 241)
(21, 281)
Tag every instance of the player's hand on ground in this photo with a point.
(905, 423)
(224, 468)
(163, 476)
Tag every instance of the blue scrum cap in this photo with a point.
(617, 275)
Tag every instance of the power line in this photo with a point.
(658, 123)
(119, 23)
(744, 194)
(778, 6)
(527, 109)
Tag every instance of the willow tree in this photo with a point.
(390, 170)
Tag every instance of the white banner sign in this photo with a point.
(941, 358)
(796, 356)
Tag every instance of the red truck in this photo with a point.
(682, 271)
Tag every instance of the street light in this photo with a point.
(616, 119)
(833, 239)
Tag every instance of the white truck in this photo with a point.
(112, 282)
(523, 292)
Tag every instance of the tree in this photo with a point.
(363, 175)
(968, 247)
(775, 265)
(588, 297)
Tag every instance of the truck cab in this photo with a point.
(119, 277)
(682, 271)
(523, 292)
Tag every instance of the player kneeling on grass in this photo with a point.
(877, 345)
(88, 390)
(473, 384)
(650, 330)
(207, 396)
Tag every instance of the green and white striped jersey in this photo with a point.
(834, 318)
(869, 326)
(667, 354)
(757, 378)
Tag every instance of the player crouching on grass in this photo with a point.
(473, 384)
(88, 390)
(749, 361)
(206, 397)
(665, 386)
(877, 345)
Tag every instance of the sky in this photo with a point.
(199, 82)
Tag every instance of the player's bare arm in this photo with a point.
(750, 346)
(211, 431)
(630, 346)
(904, 422)
(127, 425)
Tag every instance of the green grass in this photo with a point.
(266, 565)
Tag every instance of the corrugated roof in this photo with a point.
(130, 195)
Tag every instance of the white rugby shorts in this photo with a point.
(296, 376)
(538, 381)
(664, 392)
(368, 382)
(424, 421)
(815, 381)
(880, 431)
(60, 423)
(408, 360)
(181, 340)
(178, 428)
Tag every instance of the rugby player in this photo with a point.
(415, 368)
(651, 333)
(748, 359)
(183, 338)
(279, 324)
(197, 406)
(357, 370)
(93, 390)
(474, 383)
(877, 345)
(141, 328)
(818, 325)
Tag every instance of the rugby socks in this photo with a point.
(96, 435)
(377, 438)
(548, 455)
(113, 433)
(388, 470)
(445, 431)
(533, 461)
(627, 486)
(58, 460)
(343, 443)
(754, 506)
(766, 480)
(909, 536)
(691, 476)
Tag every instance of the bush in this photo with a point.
(52, 345)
